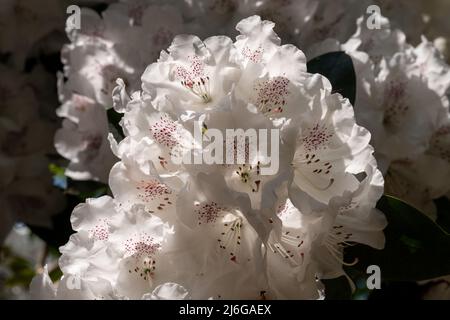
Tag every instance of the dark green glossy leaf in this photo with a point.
(338, 68)
(416, 247)
(114, 120)
(86, 189)
(443, 213)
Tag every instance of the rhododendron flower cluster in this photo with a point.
(223, 149)
(402, 99)
(196, 225)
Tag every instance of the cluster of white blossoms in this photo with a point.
(30, 31)
(185, 230)
(127, 36)
(179, 222)
(99, 53)
(402, 99)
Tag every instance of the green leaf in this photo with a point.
(443, 213)
(86, 189)
(114, 119)
(56, 170)
(338, 68)
(21, 269)
(416, 247)
(55, 274)
(59, 177)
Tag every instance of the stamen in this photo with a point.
(231, 238)
(194, 79)
(335, 242)
(199, 88)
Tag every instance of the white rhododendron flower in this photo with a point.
(99, 53)
(183, 222)
(402, 99)
(330, 147)
(83, 139)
